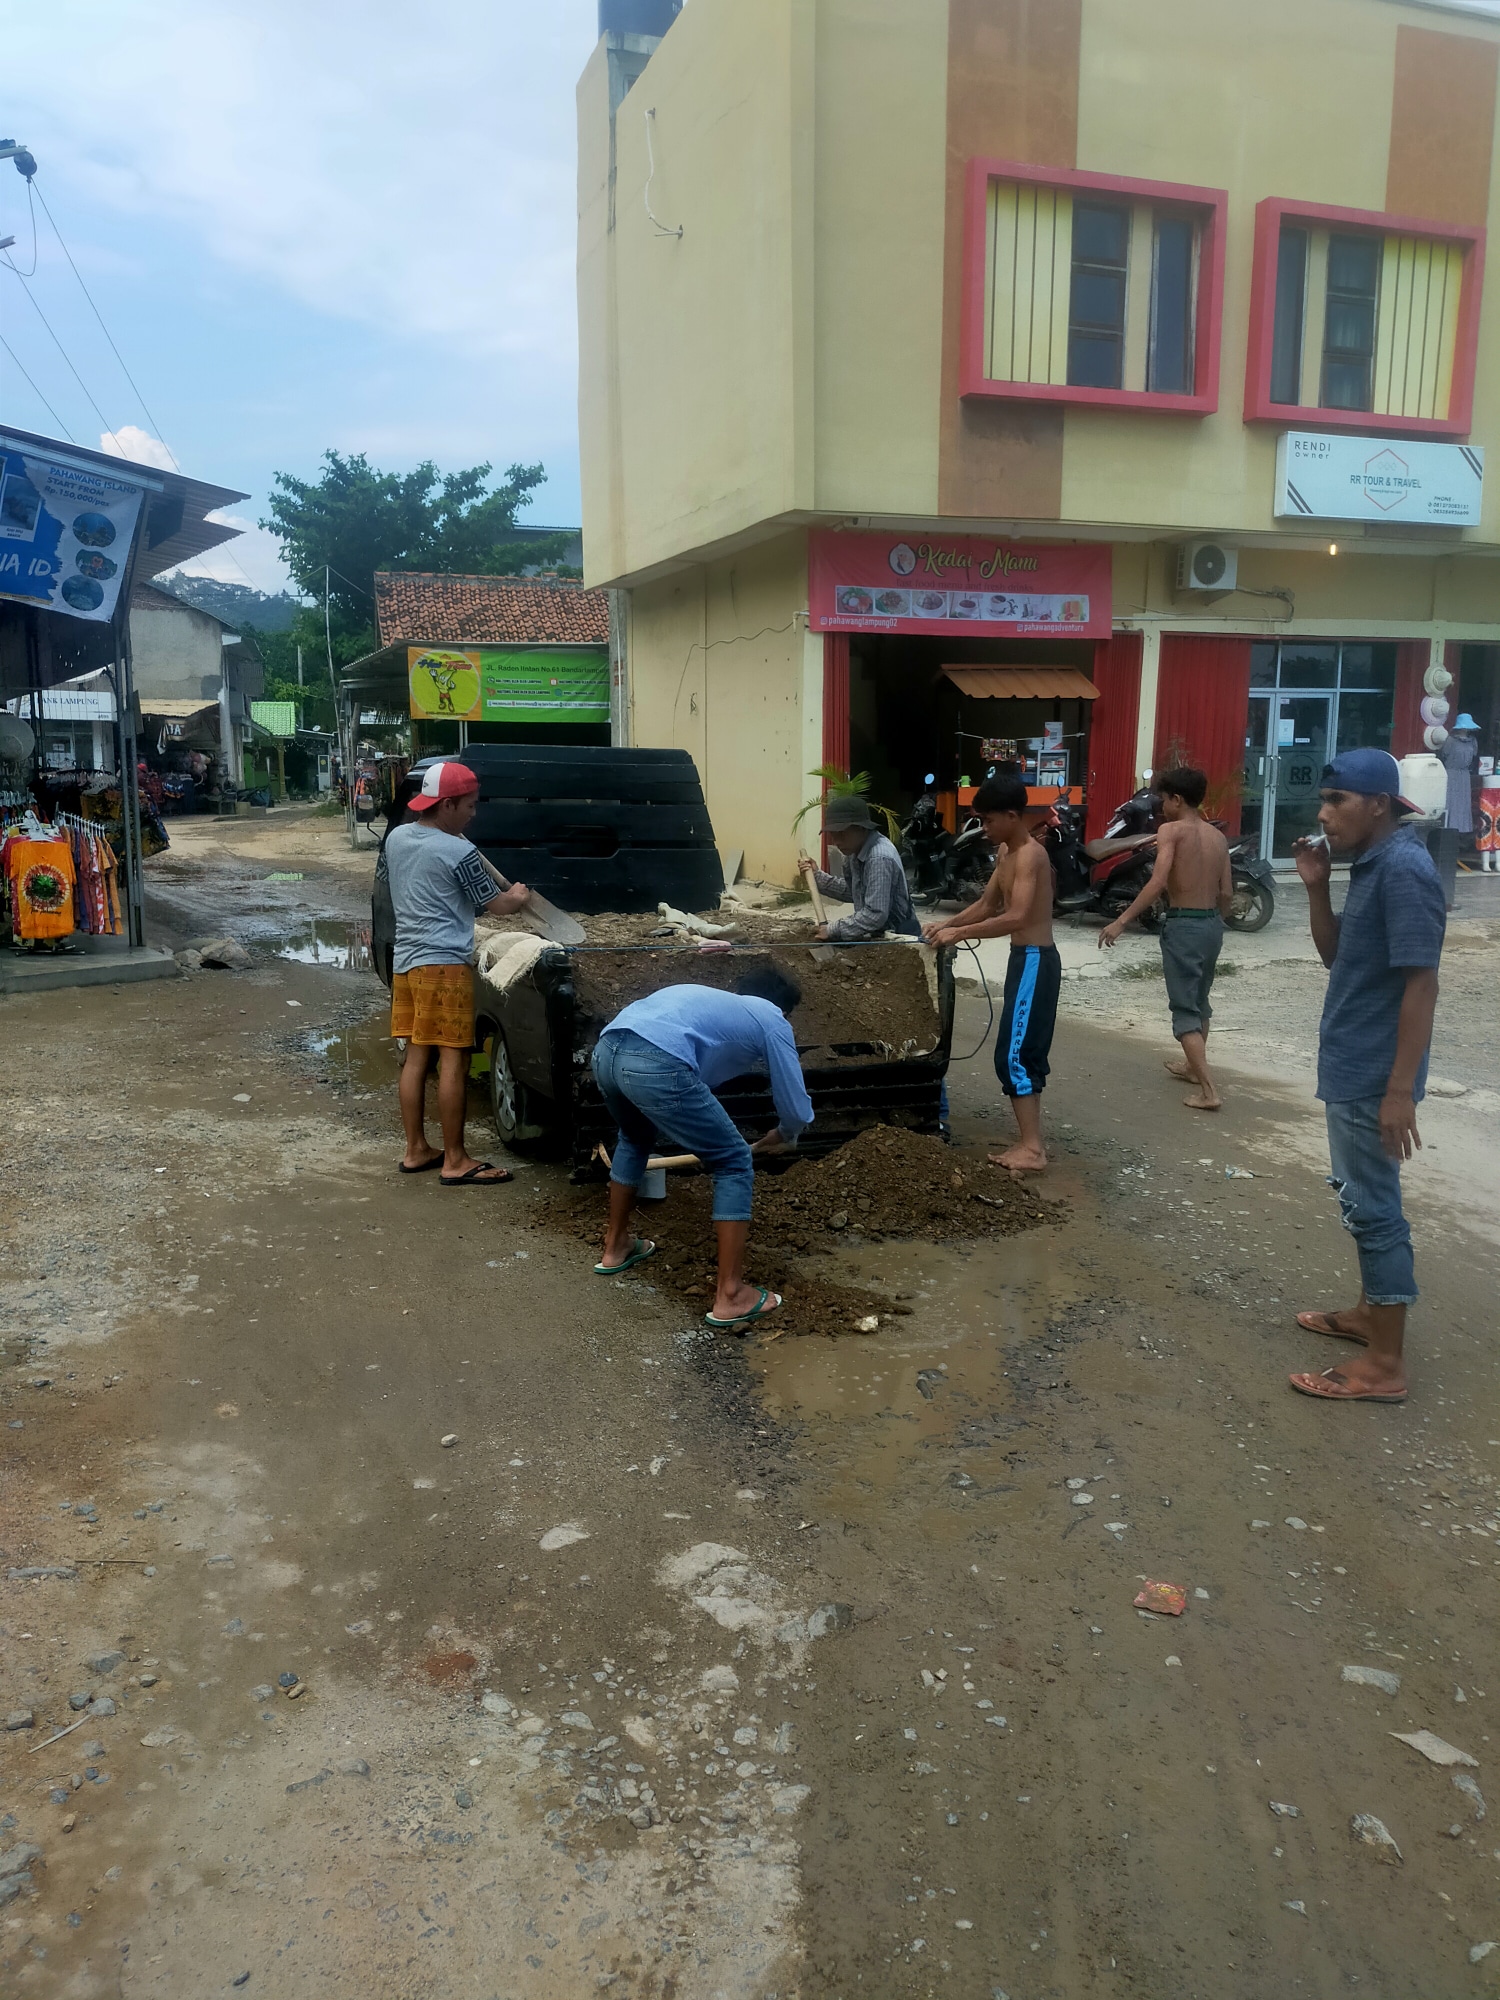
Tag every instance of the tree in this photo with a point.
(337, 530)
(355, 520)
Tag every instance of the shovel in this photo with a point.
(822, 952)
(542, 918)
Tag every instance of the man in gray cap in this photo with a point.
(873, 880)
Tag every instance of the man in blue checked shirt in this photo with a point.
(1382, 953)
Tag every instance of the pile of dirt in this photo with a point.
(876, 997)
(885, 1182)
(891, 1182)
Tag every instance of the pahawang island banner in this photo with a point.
(65, 533)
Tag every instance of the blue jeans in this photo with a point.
(1368, 1183)
(652, 1095)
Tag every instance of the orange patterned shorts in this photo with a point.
(433, 1006)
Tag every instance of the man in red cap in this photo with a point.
(439, 883)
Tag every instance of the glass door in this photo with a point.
(1300, 745)
(1256, 777)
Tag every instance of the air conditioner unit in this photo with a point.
(1207, 566)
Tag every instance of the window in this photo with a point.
(1291, 296)
(1169, 369)
(1359, 323)
(1088, 288)
(1349, 322)
(1096, 308)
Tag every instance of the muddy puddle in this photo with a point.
(342, 947)
(362, 1058)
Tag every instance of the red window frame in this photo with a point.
(1259, 409)
(1211, 205)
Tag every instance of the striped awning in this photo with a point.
(1023, 683)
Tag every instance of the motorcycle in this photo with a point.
(1105, 876)
(943, 866)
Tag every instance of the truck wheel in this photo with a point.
(519, 1118)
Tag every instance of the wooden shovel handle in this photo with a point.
(813, 890)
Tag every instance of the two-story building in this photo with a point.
(1089, 381)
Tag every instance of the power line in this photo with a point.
(37, 392)
(109, 428)
(140, 398)
(31, 204)
(26, 288)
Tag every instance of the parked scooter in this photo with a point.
(1106, 875)
(943, 866)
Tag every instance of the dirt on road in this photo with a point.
(439, 1619)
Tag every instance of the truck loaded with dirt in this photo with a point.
(874, 1025)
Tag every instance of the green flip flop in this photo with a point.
(644, 1248)
(758, 1311)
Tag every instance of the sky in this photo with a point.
(341, 224)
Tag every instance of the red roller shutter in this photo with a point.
(1112, 726)
(1202, 707)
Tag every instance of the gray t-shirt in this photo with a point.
(438, 883)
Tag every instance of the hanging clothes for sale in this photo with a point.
(41, 878)
(96, 878)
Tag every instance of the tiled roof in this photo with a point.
(422, 610)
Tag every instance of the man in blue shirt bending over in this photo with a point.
(657, 1066)
(1382, 953)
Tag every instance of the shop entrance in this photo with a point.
(957, 708)
(1308, 700)
(1286, 747)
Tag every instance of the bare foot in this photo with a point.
(1204, 1100)
(1021, 1160)
(1180, 1070)
(421, 1162)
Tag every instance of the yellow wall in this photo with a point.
(783, 359)
(1301, 109)
(881, 107)
(690, 402)
(717, 669)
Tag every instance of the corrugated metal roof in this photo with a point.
(1023, 683)
(421, 609)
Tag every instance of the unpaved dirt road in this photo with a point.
(695, 1668)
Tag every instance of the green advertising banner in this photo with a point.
(509, 683)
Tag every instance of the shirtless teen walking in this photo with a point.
(1017, 903)
(1192, 871)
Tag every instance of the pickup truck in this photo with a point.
(603, 830)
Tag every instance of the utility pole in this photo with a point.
(327, 627)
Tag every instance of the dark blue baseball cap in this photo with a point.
(1369, 772)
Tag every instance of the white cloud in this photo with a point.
(131, 442)
(407, 167)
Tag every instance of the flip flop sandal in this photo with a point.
(644, 1248)
(475, 1176)
(758, 1311)
(1330, 1390)
(1321, 1322)
(427, 1167)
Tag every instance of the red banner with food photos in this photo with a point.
(958, 585)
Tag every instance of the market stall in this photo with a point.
(77, 529)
